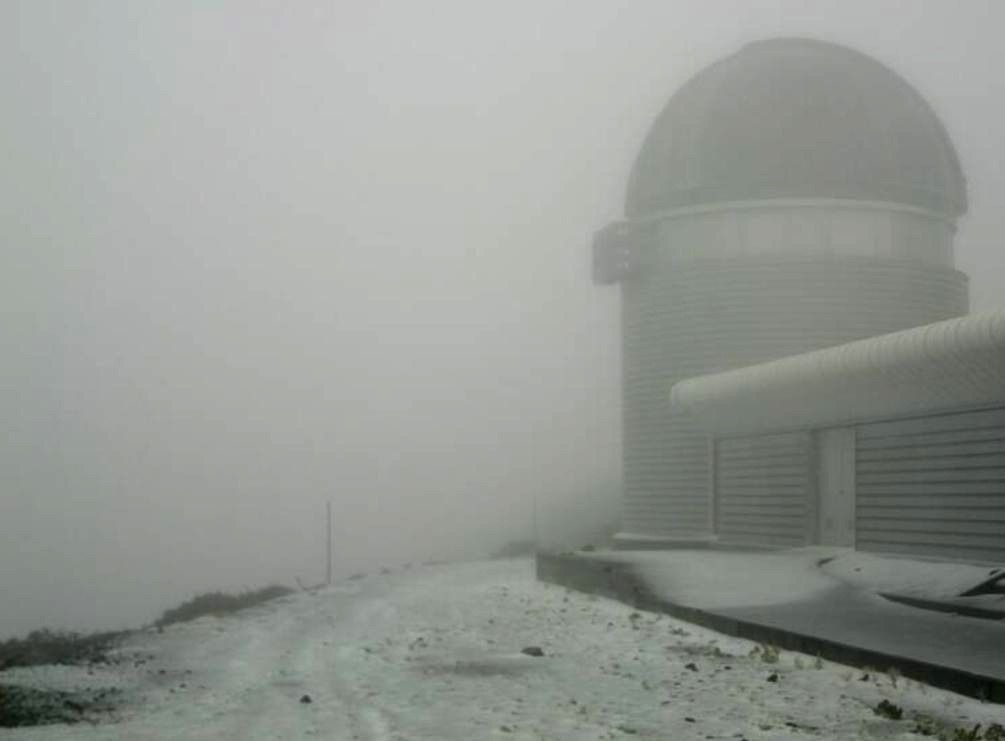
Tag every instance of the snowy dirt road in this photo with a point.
(434, 652)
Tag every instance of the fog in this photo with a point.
(257, 257)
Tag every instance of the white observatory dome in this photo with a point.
(787, 118)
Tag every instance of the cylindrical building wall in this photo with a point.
(822, 228)
(687, 317)
(792, 196)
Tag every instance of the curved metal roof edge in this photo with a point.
(751, 204)
(950, 364)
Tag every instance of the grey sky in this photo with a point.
(256, 255)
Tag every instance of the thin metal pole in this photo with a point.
(328, 577)
(533, 524)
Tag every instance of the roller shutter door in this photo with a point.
(933, 486)
(763, 486)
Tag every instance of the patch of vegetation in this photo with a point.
(925, 725)
(994, 732)
(26, 706)
(887, 709)
(55, 647)
(703, 649)
(220, 603)
(768, 654)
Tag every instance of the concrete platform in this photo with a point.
(785, 599)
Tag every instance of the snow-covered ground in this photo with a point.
(713, 579)
(434, 652)
(933, 580)
(717, 579)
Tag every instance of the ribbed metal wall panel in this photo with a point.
(933, 486)
(683, 319)
(762, 489)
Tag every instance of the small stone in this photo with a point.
(306, 700)
(532, 651)
(772, 677)
(691, 666)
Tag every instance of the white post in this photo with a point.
(328, 577)
(533, 522)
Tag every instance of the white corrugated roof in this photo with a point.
(946, 365)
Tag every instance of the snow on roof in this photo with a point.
(942, 366)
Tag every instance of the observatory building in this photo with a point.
(793, 197)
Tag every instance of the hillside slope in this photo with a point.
(435, 652)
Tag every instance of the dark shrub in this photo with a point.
(28, 706)
(54, 647)
(220, 603)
